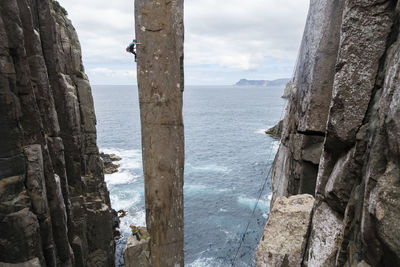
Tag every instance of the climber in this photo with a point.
(131, 48)
(135, 231)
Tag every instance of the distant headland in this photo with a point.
(263, 83)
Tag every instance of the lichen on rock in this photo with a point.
(137, 252)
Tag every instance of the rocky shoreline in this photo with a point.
(108, 161)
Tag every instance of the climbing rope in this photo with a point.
(258, 199)
(251, 217)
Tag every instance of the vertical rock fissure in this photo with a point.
(159, 30)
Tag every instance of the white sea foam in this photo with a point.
(261, 131)
(263, 205)
(137, 218)
(207, 168)
(204, 262)
(123, 177)
(130, 158)
(194, 189)
(121, 201)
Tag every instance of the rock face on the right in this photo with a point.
(341, 133)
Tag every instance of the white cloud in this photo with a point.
(232, 34)
(239, 34)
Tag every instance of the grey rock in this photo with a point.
(20, 230)
(36, 189)
(289, 88)
(285, 236)
(109, 166)
(363, 264)
(360, 49)
(31, 263)
(137, 253)
(341, 132)
(303, 128)
(50, 169)
(385, 207)
(275, 131)
(280, 172)
(325, 236)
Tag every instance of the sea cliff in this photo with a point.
(341, 139)
(54, 203)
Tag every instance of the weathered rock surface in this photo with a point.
(31, 263)
(276, 131)
(137, 253)
(108, 162)
(340, 137)
(159, 25)
(289, 88)
(305, 120)
(285, 236)
(54, 204)
(325, 236)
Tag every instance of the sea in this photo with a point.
(228, 156)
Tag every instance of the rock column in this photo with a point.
(54, 203)
(159, 30)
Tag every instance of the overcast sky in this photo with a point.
(225, 40)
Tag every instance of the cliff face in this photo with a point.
(54, 204)
(341, 133)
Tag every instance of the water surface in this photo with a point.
(227, 159)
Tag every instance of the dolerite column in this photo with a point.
(159, 30)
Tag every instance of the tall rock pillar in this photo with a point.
(159, 30)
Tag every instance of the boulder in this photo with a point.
(109, 166)
(325, 236)
(275, 131)
(137, 253)
(31, 263)
(285, 236)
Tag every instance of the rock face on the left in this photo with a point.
(54, 203)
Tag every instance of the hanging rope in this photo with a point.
(252, 215)
(258, 199)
